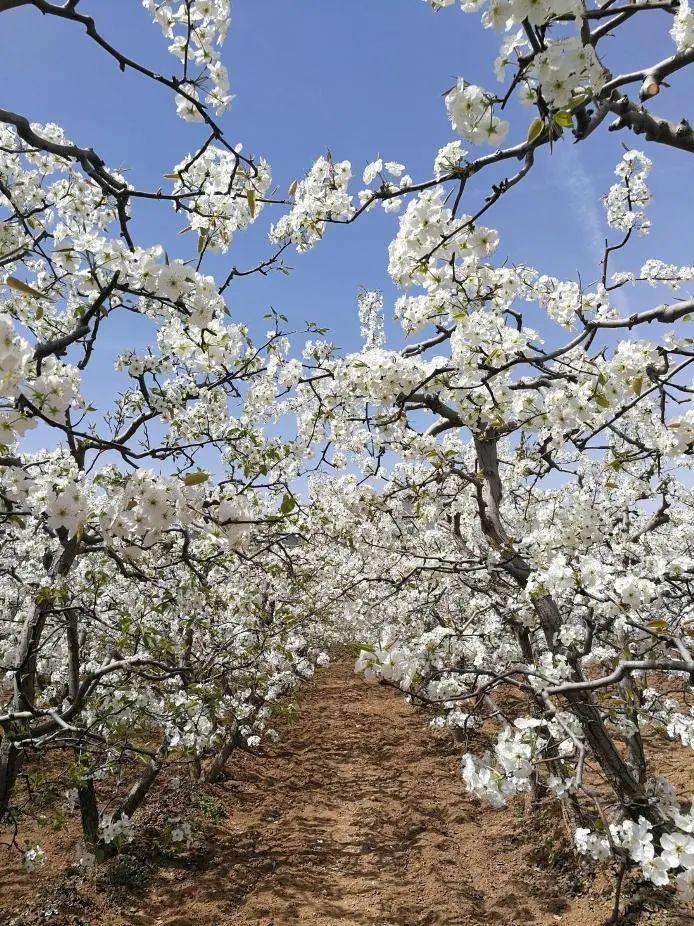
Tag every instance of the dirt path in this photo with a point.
(358, 816)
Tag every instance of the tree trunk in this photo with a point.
(140, 789)
(489, 495)
(91, 816)
(24, 685)
(637, 756)
(89, 811)
(218, 763)
(9, 769)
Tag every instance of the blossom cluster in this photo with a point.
(636, 839)
(626, 201)
(196, 29)
(682, 30)
(471, 111)
(510, 769)
(220, 194)
(371, 318)
(391, 179)
(567, 69)
(320, 197)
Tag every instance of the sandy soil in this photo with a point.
(357, 817)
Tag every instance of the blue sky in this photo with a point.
(362, 78)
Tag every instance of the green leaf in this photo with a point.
(365, 646)
(658, 624)
(250, 196)
(637, 385)
(579, 99)
(563, 118)
(601, 400)
(535, 129)
(24, 288)
(288, 504)
(195, 479)
(44, 595)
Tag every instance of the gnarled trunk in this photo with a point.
(625, 783)
(218, 763)
(24, 683)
